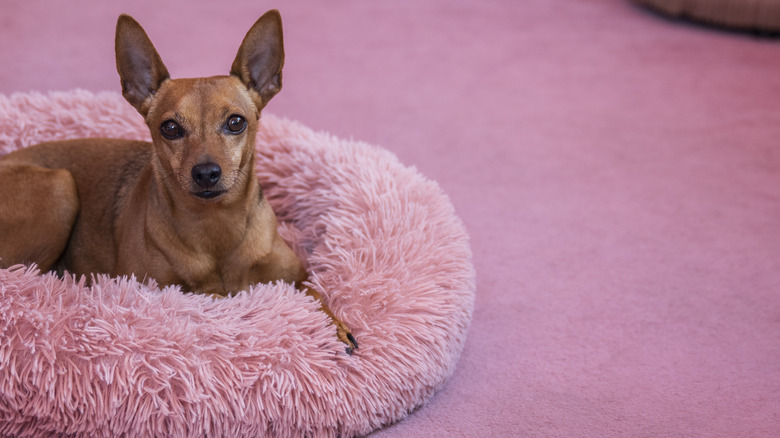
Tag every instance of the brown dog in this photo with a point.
(185, 209)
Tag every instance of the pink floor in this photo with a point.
(619, 175)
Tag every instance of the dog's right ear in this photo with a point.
(140, 68)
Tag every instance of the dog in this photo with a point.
(185, 209)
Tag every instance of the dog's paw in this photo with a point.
(345, 336)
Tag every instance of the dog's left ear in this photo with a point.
(260, 58)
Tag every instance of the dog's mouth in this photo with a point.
(209, 194)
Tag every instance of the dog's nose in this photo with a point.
(206, 175)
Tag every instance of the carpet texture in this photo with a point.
(121, 358)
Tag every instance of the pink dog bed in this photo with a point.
(123, 357)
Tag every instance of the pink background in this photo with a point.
(619, 175)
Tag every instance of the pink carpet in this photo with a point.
(619, 176)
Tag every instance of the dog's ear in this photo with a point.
(260, 58)
(140, 67)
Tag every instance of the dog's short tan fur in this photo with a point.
(185, 209)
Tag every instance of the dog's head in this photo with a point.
(203, 129)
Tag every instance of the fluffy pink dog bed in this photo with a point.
(126, 358)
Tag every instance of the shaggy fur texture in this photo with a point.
(123, 357)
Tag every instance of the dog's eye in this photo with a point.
(235, 124)
(171, 130)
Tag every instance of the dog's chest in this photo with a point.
(212, 273)
(215, 251)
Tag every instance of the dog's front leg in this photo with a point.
(342, 331)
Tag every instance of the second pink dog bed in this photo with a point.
(125, 358)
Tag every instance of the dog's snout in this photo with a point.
(206, 175)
